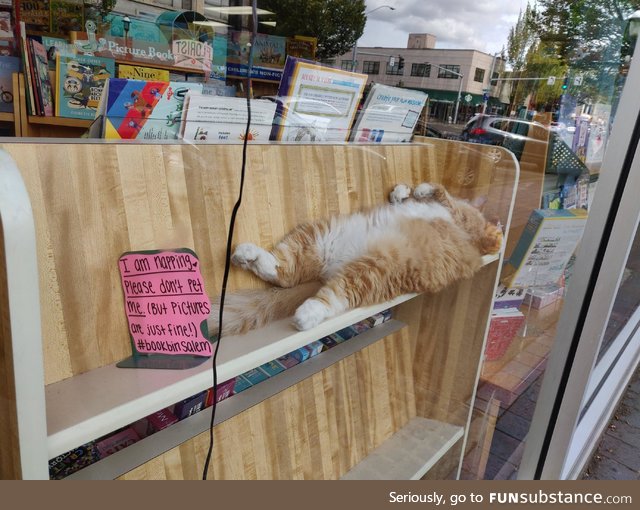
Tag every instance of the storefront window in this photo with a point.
(532, 98)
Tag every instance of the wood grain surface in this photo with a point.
(92, 202)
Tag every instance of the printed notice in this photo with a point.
(165, 302)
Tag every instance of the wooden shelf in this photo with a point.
(136, 393)
(123, 461)
(409, 453)
(60, 121)
(6, 117)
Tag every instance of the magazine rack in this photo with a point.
(402, 391)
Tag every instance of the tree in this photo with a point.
(337, 24)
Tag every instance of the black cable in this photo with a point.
(232, 222)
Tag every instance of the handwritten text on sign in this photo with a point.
(165, 302)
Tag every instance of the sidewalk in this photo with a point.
(618, 454)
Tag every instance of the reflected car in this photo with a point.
(515, 134)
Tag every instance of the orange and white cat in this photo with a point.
(419, 242)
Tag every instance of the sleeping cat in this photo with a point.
(420, 242)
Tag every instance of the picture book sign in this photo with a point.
(165, 302)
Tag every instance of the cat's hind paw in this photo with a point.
(309, 314)
(424, 191)
(399, 194)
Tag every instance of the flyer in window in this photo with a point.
(389, 114)
(316, 103)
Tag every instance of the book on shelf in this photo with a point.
(80, 81)
(44, 89)
(503, 328)
(8, 66)
(35, 87)
(57, 46)
(26, 67)
(142, 73)
(35, 15)
(144, 110)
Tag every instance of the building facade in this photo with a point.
(444, 74)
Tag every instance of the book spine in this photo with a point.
(25, 68)
(35, 79)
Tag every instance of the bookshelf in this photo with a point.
(347, 402)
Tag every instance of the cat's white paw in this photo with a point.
(252, 257)
(400, 193)
(422, 191)
(309, 314)
(245, 254)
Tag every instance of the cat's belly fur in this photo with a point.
(350, 237)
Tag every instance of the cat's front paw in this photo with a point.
(309, 314)
(253, 258)
(245, 254)
(399, 194)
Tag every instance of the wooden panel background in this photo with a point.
(92, 202)
(317, 429)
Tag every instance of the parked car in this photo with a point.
(515, 134)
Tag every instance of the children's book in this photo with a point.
(148, 110)
(57, 46)
(142, 73)
(43, 83)
(8, 66)
(80, 80)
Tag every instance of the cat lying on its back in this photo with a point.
(419, 243)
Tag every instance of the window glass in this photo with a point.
(541, 79)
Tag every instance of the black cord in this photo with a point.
(232, 222)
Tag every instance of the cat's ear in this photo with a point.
(478, 202)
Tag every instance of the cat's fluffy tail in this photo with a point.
(250, 309)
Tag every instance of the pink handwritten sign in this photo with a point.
(165, 302)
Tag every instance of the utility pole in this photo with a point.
(354, 53)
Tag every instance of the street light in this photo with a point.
(455, 115)
(354, 54)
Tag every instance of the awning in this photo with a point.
(450, 96)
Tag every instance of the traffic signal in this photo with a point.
(565, 83)
(400, 63)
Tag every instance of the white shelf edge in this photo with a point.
(143, 451)
(95, 403)
(410, 453)
(90, 405)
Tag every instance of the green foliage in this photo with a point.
(337, 24)
(570, 38)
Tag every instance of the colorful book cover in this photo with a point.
(41, 71)
(545, 246)
(35, 15)
(66, 15)
(8, 66)
(24, 52)
(503, 328)
(80, 82)
(189, 406)
(35, 84)
(57, 46)
(147, 110)
(142, 73)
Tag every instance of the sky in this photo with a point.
(463, 24)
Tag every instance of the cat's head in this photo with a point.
(487, 236)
